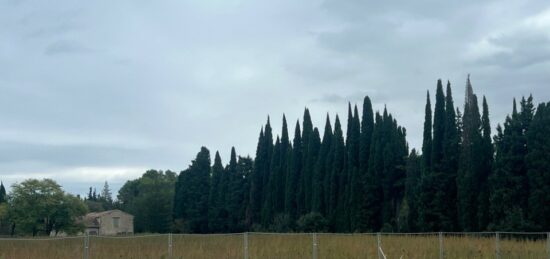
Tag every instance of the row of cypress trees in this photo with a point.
(464, 180)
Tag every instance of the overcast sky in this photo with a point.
(103, 90)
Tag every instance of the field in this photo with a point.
(299, 246)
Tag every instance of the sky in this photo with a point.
(95, 91)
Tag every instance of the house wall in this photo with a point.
(125, 224)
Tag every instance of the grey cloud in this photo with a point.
(148, 86)
(354, 98)
(522, 49)
(66, 47)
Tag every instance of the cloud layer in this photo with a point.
(102, 90)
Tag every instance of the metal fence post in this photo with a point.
(245, 236)
(441, 252)
(314, 251)
(86, 246)
(497, 245)
(548, 244)
(169, 245)
(379, 245)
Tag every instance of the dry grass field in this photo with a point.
(271, 246)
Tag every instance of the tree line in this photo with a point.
(366, 179)
(464, 178)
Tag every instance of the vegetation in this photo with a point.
(363, 179)
(262, 245)
(40, 207)
(366, 180)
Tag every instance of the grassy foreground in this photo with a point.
(299, 246)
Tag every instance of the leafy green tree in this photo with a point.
(312, 222)
(150, 199)
(40, 207)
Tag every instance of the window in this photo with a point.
(116, 222)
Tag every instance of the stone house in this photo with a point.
(108, 223)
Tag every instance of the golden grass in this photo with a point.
(42, 248)
(207, 246)
(271, 246)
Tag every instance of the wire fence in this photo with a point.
(285, 245)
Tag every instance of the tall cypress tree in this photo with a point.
(438, 130)
(268, 151)
(256, 184)
(293, 176)
(367, 127)
(373, 190)
(273, 186)
(354, 183)
(192, 193)
(2, 193)
(486, 158)
(427, 140)
(444, 220)
(304, 190)
(214, 205)
(318, 200)
(427, 216)
(469, 172)
(451, 149)
(235, 194)
(286, 152)
(338, 155)
(310, 165)
(538, 143)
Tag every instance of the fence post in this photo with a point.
(497, 245)
(548, 244)
(314, 251)
(441, 251)
(169, 245)
(86, 246)
(379, 245)
(245, 236)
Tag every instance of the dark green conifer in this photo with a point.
(215, 222)
(338, 155)
(318, 200)
(538, 142)
(293, 176)
(469, 171)
(3, 197)
(192, 193)
(367, 127)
